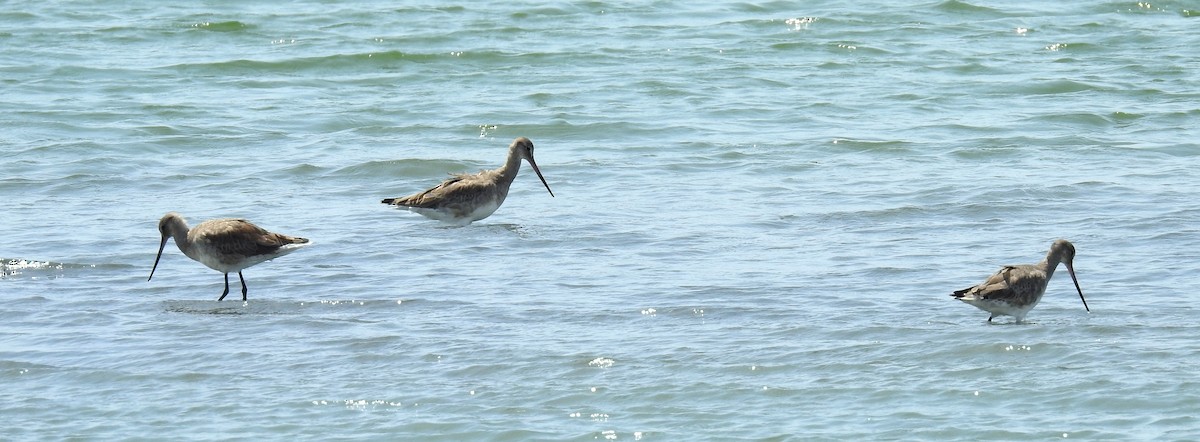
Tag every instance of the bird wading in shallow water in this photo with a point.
(1016, 289)
(466, 198)
(225, 245)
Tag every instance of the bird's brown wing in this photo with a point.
(238, 237)
(448, 192)
(997, 287)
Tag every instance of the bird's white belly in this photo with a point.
(215, 260)
(461, 214)
(484, 210)
(1002, 307)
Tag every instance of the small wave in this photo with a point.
(543, 12)
(601, 362)
(1073, 48)
(352, 62)
(11, 17)
(275, 307)
(957, 6)
(880, 146)
(1074, 119)
(800, 23)
(407, 167)
(34, 269)
(221, 26)
(9, 267)
(1059, 87)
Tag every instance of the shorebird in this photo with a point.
(466, 198)
(1015, 289)
(225, 245)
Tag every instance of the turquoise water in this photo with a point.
(760, 211)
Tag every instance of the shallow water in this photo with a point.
(760, 211)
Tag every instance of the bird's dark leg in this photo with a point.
(243, 285)
(226, 292)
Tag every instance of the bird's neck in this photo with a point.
(179, 231)
(1049, 264)
(512, 165)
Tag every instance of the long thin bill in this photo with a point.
(1076, 281)
(539, 174)
(160, 250)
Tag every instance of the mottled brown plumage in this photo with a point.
(1016, 289)
(471, 197)
(225, 245)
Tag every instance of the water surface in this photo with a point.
(760, 211)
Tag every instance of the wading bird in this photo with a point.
(1016, 289)
(225, 245)
(466, 198)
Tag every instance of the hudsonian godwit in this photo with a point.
(466, 198)
(1016, 289)
(225, 245)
